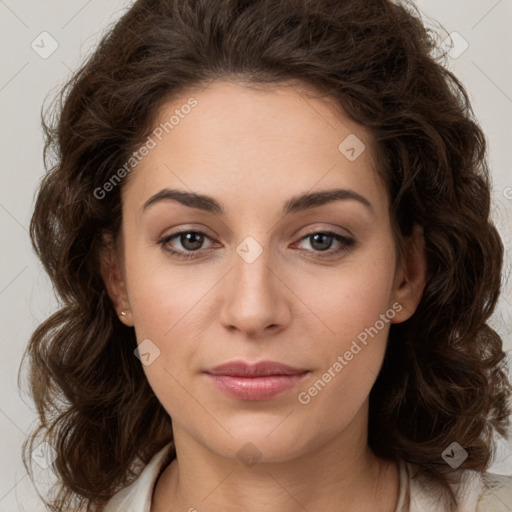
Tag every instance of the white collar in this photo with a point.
(413, 496)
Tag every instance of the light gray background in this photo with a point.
(26, 78)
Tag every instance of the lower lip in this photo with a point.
(255, 388)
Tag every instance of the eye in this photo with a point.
(190, 241)
(322, 241)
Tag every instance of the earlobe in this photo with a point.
(411, 277)
(112, 274)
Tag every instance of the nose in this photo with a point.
(255, 298)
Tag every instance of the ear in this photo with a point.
(111, 267)
(411, 276)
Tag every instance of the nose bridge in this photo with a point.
(252, 266)
(253, 299)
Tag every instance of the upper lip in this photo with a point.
(263, 368)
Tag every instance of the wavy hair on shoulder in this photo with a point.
(444, 376)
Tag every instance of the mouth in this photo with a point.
(254, 382)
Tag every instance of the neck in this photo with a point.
(342, 474)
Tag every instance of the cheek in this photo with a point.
(163, 294)
(353, 298)
(357, 310)
(165, 305)
(171, 307)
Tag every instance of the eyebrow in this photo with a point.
(293, 205)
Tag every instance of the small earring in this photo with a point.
(123, 313)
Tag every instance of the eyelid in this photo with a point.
(330, 230)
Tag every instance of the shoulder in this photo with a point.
(137, 496)
(497, 493)
(474, 491)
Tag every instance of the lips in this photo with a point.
(260, 381)
(261, 369)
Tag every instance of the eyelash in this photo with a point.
(347, 243)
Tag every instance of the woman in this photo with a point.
(269, 226)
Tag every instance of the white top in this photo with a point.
(475, 492)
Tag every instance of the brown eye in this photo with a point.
(322, 241)
(184, 244)
(191, 241)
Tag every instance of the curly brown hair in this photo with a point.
(444, 375)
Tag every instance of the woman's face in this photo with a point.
(251, 282)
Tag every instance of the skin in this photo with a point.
(252, 150)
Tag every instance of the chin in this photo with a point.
(260, 442)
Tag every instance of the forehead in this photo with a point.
(245, 143)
